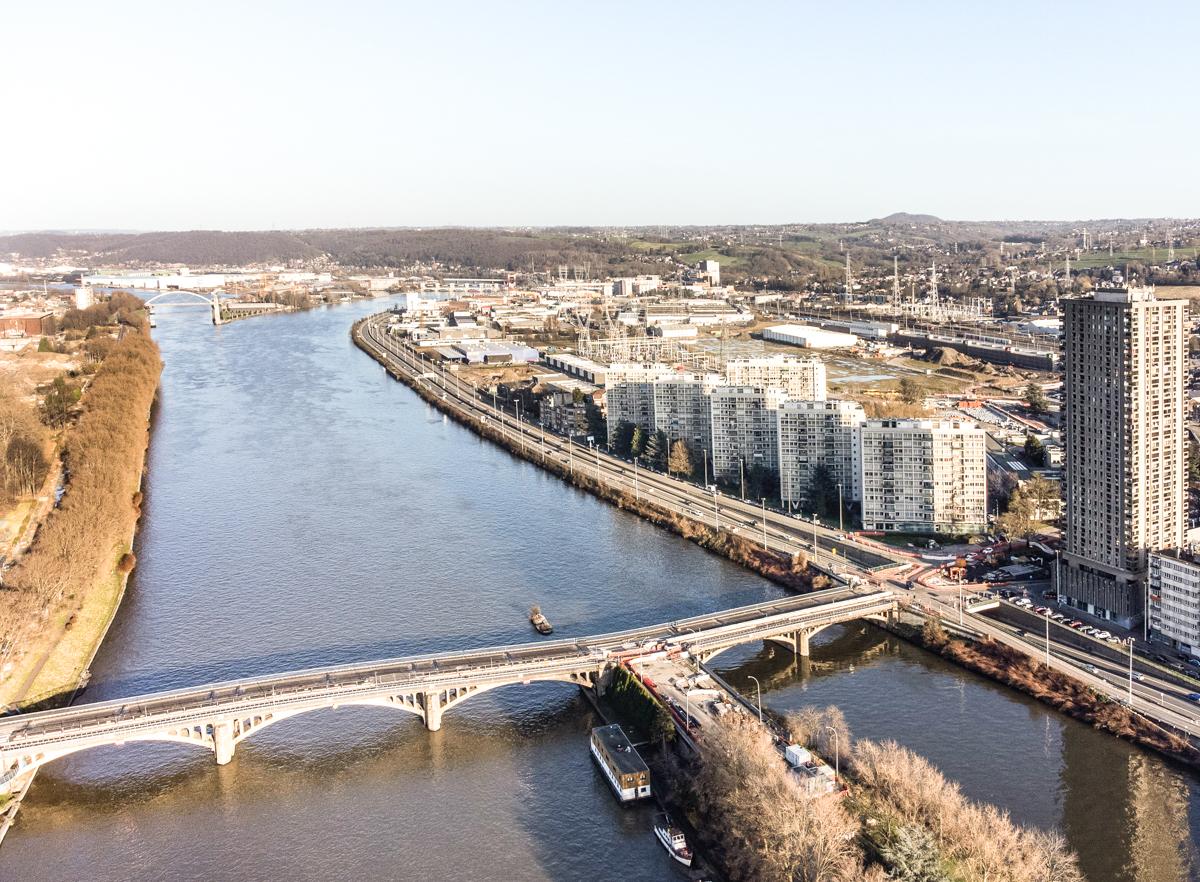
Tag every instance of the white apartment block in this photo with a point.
(1123, 407)
(682, 409)
(802, 378)
(1174, 593)
(923, 476)
(744, 429)
(818, 433)
(629, 394)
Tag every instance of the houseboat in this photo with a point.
(622, 765)
(672, 839)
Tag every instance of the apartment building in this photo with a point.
(682, 409)
(629, 394)
(1174, 596)
(923, 476)
(818, 433)
(1123, 409)
(745, 428)
(803, 378)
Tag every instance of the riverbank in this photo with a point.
(782, 569)
(74, 586)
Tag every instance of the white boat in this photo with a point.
(672, 839)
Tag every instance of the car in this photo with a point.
(1194, 662)
(1103, 635)
(1141, 678)
(1041, 610)
(1193, 696)
(1091, 669)
(1058, 617)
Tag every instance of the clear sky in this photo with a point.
(255, 115)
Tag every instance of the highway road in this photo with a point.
(781, 531)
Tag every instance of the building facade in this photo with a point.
(1174, 595)
(802, 378)
(1123, 410)
(682, 410)
(745, 429)
(923, 476)
(818, 433)
(629, 395)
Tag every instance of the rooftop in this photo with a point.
(619, 749)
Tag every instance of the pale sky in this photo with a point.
(254, 115)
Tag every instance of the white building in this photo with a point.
(923, 476)
(682, 409)
(809, 337)
(745, 429)
(818, 433)
(629, 394)
(1174, 591)
(802, 378)
(712, 269)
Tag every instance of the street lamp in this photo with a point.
(716, 511)
(764, 507)
(758, 687)
(1131, 672)
(841, 523)
(742, 474)
(636, 494)
(837, 760)
(704, 451)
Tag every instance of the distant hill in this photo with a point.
(903, 217)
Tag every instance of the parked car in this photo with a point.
(1194, 696)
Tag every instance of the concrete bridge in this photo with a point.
(217, 717)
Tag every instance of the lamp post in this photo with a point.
(764, 508)
(814, 533)
(1131, 672)
(758, 687)
(716, 511)
(1047, 641)
(705, 454)
(636, 494)
(837, 759)
(742, 475)
(841, 523)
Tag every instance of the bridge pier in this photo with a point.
(223, 741)
(216, 309)
(432, 702)
(801, 643)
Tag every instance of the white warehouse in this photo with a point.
(809, 337)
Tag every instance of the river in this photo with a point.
(302, 508)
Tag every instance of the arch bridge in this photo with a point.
(218, 717)
(213, 303)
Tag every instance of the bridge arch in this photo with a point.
(222, 733)
(213, 303)
(796, 639)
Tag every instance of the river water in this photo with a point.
(303, 508)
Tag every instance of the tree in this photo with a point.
(911, 391)
(1000, 488)
(680, 460)
(623, 439)
(911, 855)
(656, 450)
(1018, 522)
(1035, 451)
(26, 464)
(1044, 497)
(1035, 399)
(59, 399)
(44, 345)
(637, 443)
(823, 492)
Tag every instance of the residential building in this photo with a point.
(629, 394)
(745, 429)
(1174, 596)
(682, 409)
(923, 476)
(802, 378)
(1123, 413)
(712, 269)
(814, 434)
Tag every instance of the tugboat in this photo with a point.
(540, 623)
(672, 839)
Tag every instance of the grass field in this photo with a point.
(1094, 259)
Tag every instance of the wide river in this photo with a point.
(303, 508)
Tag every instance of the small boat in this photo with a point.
(540, 623)
(672, 839)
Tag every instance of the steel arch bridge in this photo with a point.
(213, 303)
